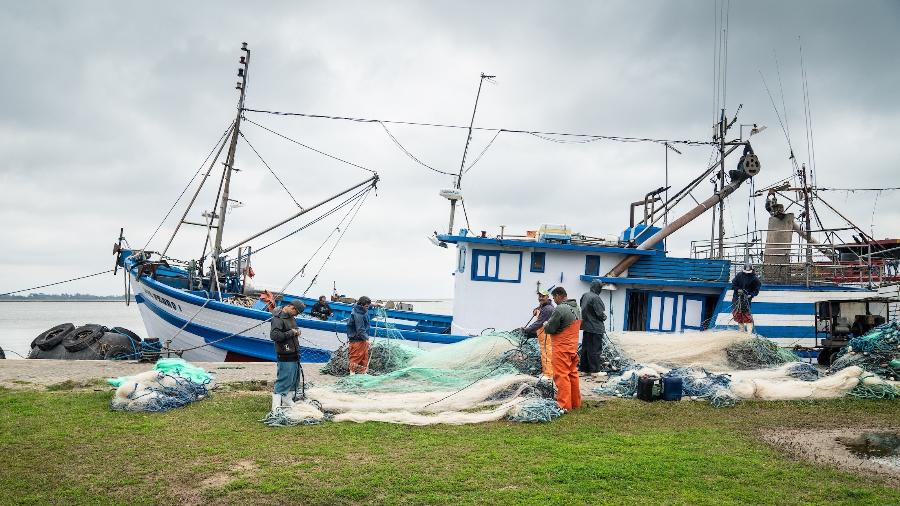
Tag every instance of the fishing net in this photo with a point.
(385, 355)
(485, 378)
(725, 367)
(172, 383)
(757, 353)
(877, 352)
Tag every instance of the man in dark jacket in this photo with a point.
(321, 309)
(536, 329)
(358, 335)
(593, 316)
(287, 347)
(746, 285)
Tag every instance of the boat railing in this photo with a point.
(791, 263)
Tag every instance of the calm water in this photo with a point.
(21, 322)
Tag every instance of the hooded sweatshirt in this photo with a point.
(746, 281)
(358, 324)
(563, 315)
(593, 311)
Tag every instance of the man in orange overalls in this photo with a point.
(563, 327)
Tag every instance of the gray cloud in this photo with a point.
(108, 109)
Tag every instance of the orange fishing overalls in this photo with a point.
(565, 366)
(546, 352)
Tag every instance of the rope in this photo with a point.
(483, 151)
(166, 217)
(333, 157)
(270, 170)
(56, 283)
(616, 138)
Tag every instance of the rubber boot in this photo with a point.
(750, 327)
(287, 401)
(276, 402)
(742, 327)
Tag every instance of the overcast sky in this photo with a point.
(108, 109)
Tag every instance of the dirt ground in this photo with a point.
(824, 447)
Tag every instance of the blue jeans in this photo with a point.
(286, 377)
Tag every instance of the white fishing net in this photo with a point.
(485, 378)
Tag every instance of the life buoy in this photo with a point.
(52, 337)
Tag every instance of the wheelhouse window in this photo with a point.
(538, 261)
(497, 266)
(592, 265)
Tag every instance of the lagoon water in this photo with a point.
(21, 322)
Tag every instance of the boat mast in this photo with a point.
(229, 162)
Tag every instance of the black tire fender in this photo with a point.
(52, 336)
(125, 332)
(83, 336)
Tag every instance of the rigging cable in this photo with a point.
(338, 241)
(56, 283)
(224, 134)
(410, 155)
(483, 151)
(316, 220)
(615, 138)
(285, 137)
(270, 170)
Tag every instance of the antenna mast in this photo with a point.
(229, 162)
(458, 183)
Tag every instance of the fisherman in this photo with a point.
(593, 312)
(563, 327)
(285, 333)
(321, 309)
(746, 285)
(358, 335)
(535, 329)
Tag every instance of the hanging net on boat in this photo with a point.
(485, 378)
(877, 352)
(172, 383)
(724, 367)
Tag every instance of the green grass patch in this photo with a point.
(77, 385)
(68, 447)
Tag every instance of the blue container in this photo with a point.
(672, 388)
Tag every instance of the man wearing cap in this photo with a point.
(358, 335)
(746, 286)
(287, 347)
(536, 329)
(563, 327)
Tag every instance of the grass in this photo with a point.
(68, 447)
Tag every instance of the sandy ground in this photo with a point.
(823, 447)
(24, 374)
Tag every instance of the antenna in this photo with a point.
(457, 185)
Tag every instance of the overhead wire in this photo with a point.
(616, 138)
(270, 170)
(319, 151)
(483, 151)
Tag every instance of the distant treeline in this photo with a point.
(49, 297)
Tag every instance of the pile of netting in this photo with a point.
(877, 352)
(485, 378)
(385, 355)
(172, 383)
(724, 367)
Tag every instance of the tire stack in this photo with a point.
(87, 342)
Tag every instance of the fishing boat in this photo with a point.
(205, 309)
